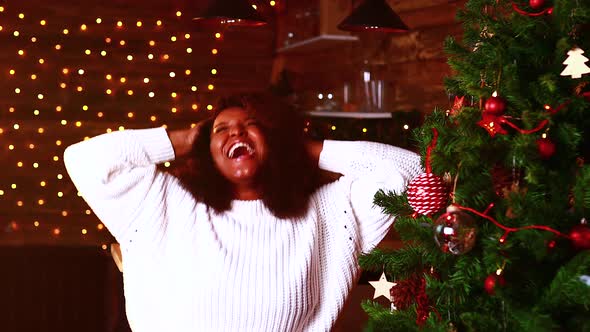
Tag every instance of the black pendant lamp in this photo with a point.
(229, 12)
(373, 16)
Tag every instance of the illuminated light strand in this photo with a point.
(508, 230)
(548, 11)
(68, 81)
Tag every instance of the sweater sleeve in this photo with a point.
(117, 176)
(368, 167)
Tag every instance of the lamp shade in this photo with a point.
(229, 12)
(373, 15)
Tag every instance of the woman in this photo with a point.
(246, 238)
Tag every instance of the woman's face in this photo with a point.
(238, 147)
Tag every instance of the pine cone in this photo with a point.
(405, 292)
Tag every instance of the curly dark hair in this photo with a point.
(288, 177)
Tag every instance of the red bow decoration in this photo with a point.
(492, 123)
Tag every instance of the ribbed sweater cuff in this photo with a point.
(335, 154)
(156, 143)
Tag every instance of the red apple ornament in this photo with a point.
(536, 4)
(495, 105)
(546, 148)
(492, 282)
(580, 236)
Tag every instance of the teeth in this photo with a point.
(234, 147)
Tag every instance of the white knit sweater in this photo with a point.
(187, 268)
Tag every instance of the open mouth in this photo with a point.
(240, 150)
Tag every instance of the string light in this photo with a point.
(76, 82)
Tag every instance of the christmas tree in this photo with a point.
(495, 229)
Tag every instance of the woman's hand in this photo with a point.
(183, 139)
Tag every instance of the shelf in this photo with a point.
(353, 115)
(315, 44)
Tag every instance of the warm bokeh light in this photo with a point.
(73, 78)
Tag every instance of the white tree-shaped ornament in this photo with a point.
(575, 64)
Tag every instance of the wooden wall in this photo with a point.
(47, 102)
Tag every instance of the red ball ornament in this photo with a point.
(536, 4)
(580, 236)
(546, 148)
(495, 105)
(492, 281)
(427, 193)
